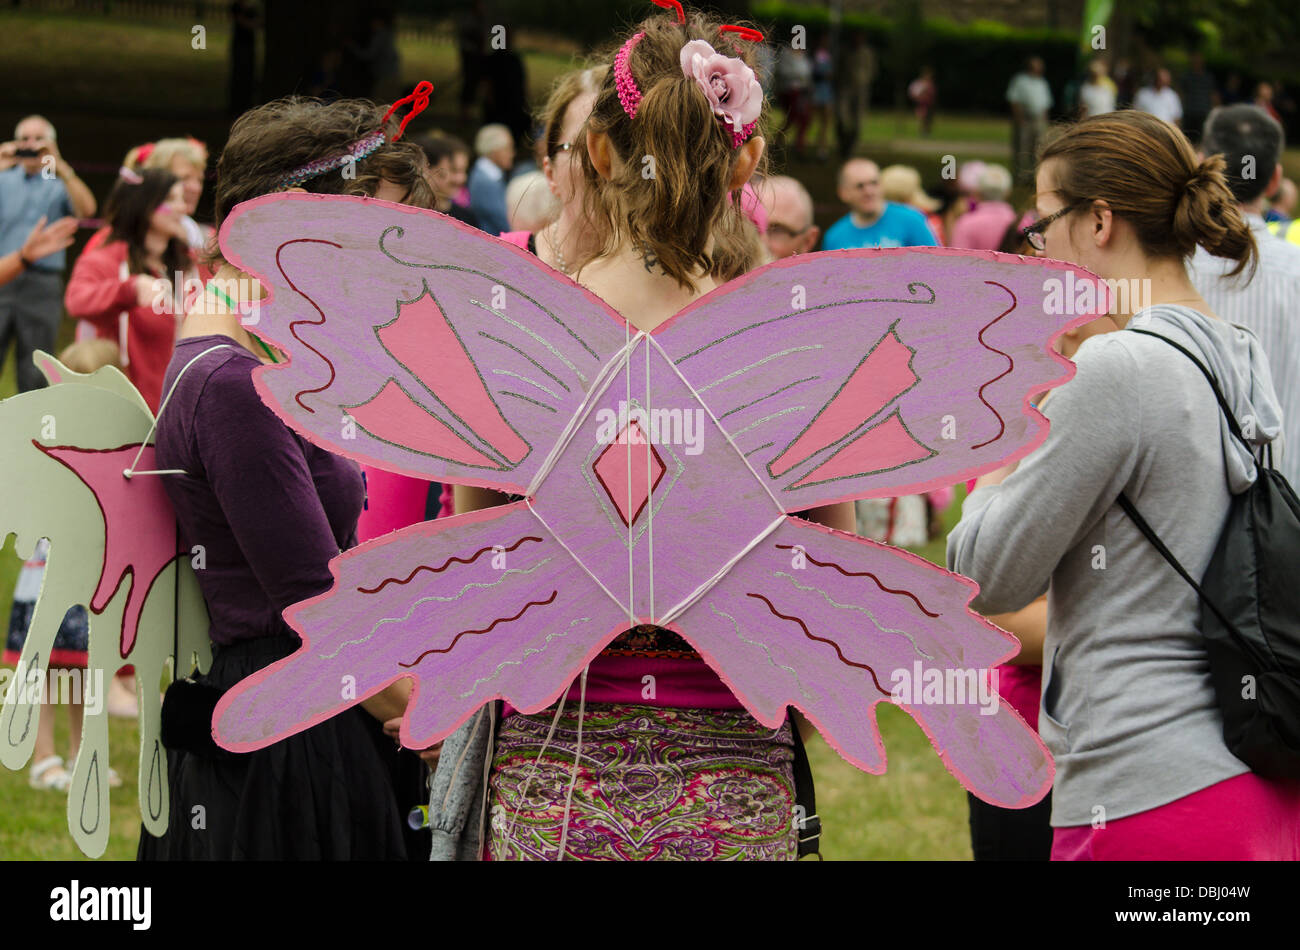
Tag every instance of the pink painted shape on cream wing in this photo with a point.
(880, 378)
(422, 340)
(139, 528)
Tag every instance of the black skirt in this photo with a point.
(324, 794)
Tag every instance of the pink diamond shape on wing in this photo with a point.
(623, 472)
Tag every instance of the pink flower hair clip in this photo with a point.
(727, 82)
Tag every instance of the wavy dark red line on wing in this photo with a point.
(812, 636)
(846, 573)
(315, 323)
(466, 633)
(445, 564)
(1002, 426)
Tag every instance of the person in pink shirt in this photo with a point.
(129, 286)
(983, 227)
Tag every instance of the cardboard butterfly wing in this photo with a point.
(113, 549)
(465, 357)
(858, 374)
(419, 345)
(882, 372)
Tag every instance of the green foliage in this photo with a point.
(959, 53)
(588, 22)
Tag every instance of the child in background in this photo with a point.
(923, 93)
(71, 644)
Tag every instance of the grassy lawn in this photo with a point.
(34, 824)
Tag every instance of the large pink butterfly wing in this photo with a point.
(465, 356)
(873, 373)
(869, 373)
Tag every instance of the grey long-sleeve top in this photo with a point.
(1128, 709)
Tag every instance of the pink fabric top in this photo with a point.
(518, 238)
(98, 292)
(983, 227)
(1022, 687)
(679, 683)
(392, 502)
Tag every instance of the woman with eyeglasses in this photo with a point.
(1128, 708)
(570, 235)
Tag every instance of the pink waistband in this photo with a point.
(652, 681)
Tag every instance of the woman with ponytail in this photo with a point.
(671, 765)
(1128, 708)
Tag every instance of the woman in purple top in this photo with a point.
(264, 512)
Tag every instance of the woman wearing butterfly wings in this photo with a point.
(653, 263)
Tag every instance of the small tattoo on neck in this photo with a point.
(649, 259)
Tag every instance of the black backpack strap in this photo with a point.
(1159, 545)
(810, 829)
(1223, 403)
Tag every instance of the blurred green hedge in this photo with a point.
(973, 62)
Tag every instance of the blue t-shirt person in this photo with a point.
(897, 226)
(24, 200)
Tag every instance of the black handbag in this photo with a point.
(185, 723)
(1250, 612)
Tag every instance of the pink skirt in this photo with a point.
(1245, 818)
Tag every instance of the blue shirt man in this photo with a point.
(24, 199)
(487, 179)
(35, 182)
(872, 221)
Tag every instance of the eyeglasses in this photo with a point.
(780, 231)
(1034, 233)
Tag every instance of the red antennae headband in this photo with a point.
(673, 5)
(419, 99)
(730, 85)
(744, 32)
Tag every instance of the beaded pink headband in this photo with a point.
(726, 81)
(419, 100)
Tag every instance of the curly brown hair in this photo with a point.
(673, 212)
(272, 140)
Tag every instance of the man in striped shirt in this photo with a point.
(1268, 303)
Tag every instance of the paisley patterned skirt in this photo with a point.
(654, 783)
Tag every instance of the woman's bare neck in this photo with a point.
(633, 284)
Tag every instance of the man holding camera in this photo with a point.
(35, 183)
